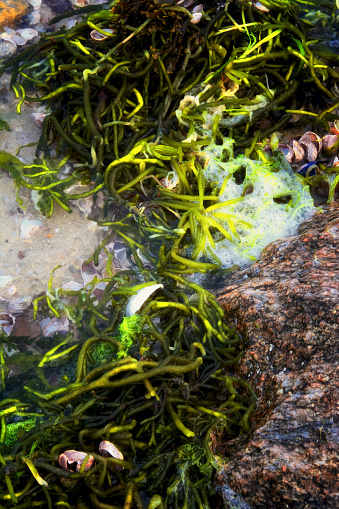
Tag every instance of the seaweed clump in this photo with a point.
(136, 113)
(254, 69)
(156, 390)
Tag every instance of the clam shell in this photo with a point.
(50, 326)
(73, 460)
(36, 4)
(299, 152)
(97, 36)
(287, 151)
(312, 137)
(334, 127)
(137, 300)
(107, 449)
(260, 6)
(28, 227)
(7, 322)
(330, 144)
(197, 13)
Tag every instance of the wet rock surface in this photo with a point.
(11, 12)
(286, 306)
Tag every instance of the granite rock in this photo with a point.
(286, 307)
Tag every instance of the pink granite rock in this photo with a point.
(286, 307)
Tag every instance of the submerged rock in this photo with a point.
(286, 306)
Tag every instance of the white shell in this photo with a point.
(137, 300)
(97, 36)
(6, 37)
(29, 227)
(171, 180)
(107, 449)
(38, 117)
(4, 280)
(197, 13)
(260, 6)
(72, 285)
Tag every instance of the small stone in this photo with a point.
(7, 49)
(4, 280)
(59, 6)
(29, 227)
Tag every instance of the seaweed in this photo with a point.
(157, 396)
(138, 114)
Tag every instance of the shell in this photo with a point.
(80, 3)
(197, 13)
(50, 326)
(68, 459)
(287, 151)
(171, 180)
(330, 144)
(311, 137)
(260, 6)
(136, 301)
(38, 117)
(21, 36)
(312, 144)
(107, 449)
(7, 322)
(97, 36)
(335, 127)
(28, 227)
(299, 152)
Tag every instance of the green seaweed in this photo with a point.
(141, 112)
(128, 329)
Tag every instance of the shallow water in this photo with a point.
(31, 246)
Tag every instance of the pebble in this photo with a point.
(7, 49)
